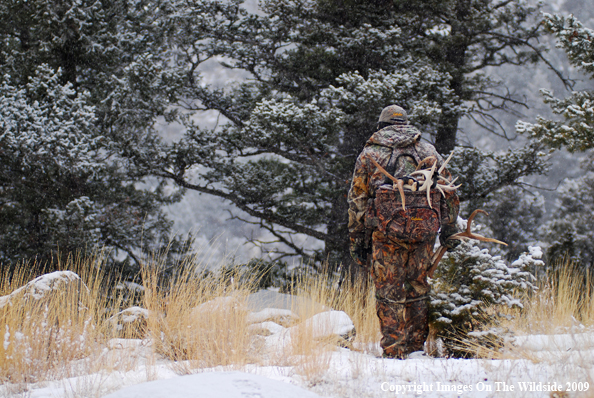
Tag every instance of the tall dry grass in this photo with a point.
(562, 304)
(356, 299)
(198, 318)
(42, 333)
(320, 292)
(564, 300)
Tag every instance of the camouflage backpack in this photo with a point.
(420, 221)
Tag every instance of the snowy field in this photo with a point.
(558, 363)
(555, 365)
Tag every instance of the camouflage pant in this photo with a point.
(399, 272)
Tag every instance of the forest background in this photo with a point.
(123, 122)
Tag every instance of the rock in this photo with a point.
(47, 286)
(324, 325)
(331, 323)
(297, 304)
(131, 322)
(282, 317)
(228, 303)
(265, 328)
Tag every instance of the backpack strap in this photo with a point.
(393, 162)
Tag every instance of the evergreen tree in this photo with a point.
(570, 231)
(468, 281)
(576, 131)
(321, 73)
(514, 218)
(461, 38)
(569, 234)
(82, 82)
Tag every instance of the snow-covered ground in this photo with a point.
(560, 364)
(539, 366)
(349, 374)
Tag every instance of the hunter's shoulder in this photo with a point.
(427, 149)
(395, 136)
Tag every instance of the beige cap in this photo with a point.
(393, 114)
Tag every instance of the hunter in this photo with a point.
(393, 231)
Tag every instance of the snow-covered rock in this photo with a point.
(265, 328)
(40, 287)
(320, 326)
(270, 299)
(220, 304)
(214, 385)
(329, 323)
(131, 322)
(277, 315)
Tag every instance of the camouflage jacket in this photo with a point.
(398, 149)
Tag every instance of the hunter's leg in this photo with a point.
(417, 289)
(388, 274)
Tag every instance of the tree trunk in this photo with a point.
(445, 141)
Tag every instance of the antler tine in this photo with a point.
(441, 180)
(426, 160)
(382, 170)
(471, 218)
(448, 188)
(445, 163)
(469, 235)
(430, 182)
(399, 183)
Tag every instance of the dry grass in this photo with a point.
(563, 304)
(43, 335)
(198, 317)
(564, 300)
(198, 320)
(357, 300)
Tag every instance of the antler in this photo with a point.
(461, 235)
(445, 163)
(469, 235)
(399, 183)
(429, 159)
(447, 186)
(428, 175)
(443, 184)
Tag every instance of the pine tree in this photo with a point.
(514, 218)
(576, 131)
(569, 234)
(570, 231)
(82, 82)
(461, 38)
(322, 71)
(467, 283)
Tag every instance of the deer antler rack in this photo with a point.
(461, 235)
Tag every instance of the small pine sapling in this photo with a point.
(469, 283)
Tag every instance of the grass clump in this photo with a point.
(51, 321)
(200, 317)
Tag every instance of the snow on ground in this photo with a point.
(539, 366)
(215, 385)
(350, 374)
(552, 362)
